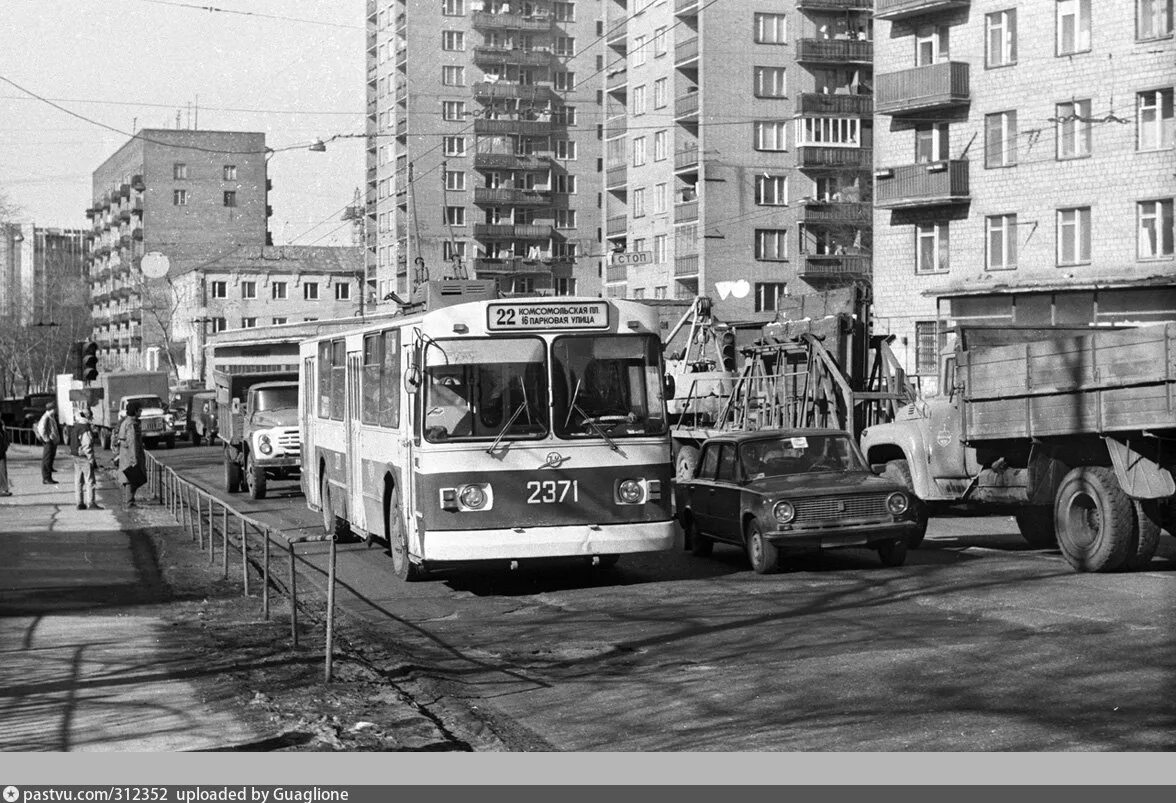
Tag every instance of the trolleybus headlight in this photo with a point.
(472, 496)
(784, 512)
(897, 503)
(264, 446)
(630, 492)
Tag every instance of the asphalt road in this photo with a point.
(978, 643)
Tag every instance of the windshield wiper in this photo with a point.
(510, 421)
(592, 423)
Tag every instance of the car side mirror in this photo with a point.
(235, 406)
(670, 387)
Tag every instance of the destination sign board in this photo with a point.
(518, 316)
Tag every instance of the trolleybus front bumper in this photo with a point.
(550, 542)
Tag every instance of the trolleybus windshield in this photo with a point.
(483, 388)
(607, 385)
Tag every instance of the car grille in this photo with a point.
(838, 508)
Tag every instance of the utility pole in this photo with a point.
(356, 214)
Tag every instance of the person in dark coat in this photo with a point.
(132, 462)
(5, 488)
(50, 433)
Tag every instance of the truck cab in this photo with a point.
(154, 420)
(259, 427)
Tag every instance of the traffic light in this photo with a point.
(75, 358)
(727, 351)
(89, 361)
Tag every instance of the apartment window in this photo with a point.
(219, 324)
(931, 242)
(771, 244)
(660, 145)
(929, 337)
(310, 291)
(248, 323)
(1001, 28)
(931, 45)
(1000, 139)
(1073, 35)
(453, 110)
(249, 289)
(565, 252)
(639, 202)
(1155, 229)
(930, 142)
(453, 248)
(771, 190)
(639, 293)
(278, 290)
(218, 289)
(1002, 242)
(837, 132)
(565, 12)
(564, 286)
(638, 151)
(454, 146)
(453, 40)
(639, 99)
(565, 218)
(660, 194)
(659, 248)
(453, 8)
(455, 180)
(768, 295)
(769, 82)
(453, 75)
(638, 50)
(565, 149)
(659, 93)
(660, 48)
(230, 197)
(342, 291)
(1153, 19)
(769, 135)
(1074, 236)
(565, 45)
(659, 292)
(229, 172)
(770, 29)
(1155, 122)
(179, 197)
(454, 215)
(1073, 129)
(565, 183)
(179, 171)
(279, 321)
(565, 81)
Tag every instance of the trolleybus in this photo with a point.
(492, 430)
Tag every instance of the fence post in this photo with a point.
(225, 542)
(330, 647)
(293, 597)
(199, 519)
(211, 534)
(265, 578)
(186, 501)
(244, 559)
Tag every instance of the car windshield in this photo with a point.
(607, 385)
(276, 399)
(484, 388)
(802, 454)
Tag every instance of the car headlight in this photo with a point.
(897, 503)
(630, 492)
(264, 446)
(472, 496)
(784, 512)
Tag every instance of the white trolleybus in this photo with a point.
(492, 430)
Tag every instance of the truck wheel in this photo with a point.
(763, 554)
(254, 478)
(1147, 535)
(332, 523)
(171, 441)
(899, 472)
(1094, 519)
(686, 462)
(1037, 526)
(232, 476)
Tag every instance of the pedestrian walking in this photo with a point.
(132, 463)
(49, 431)
(81, 446)
(5, 488)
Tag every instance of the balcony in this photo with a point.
(836, 5)
(836, 213)
(617, 37)
(511, 196)
(615, 126)
(617, 225)
(817, 156)
(835, 51)
(901, 9)
(686, 107)
(484, 20)
(686, 52)
(500, 90)
(510, 266)
(508, 231)
(929, 184)
(834, 266)
(617, 80)
(524, 127)
(512, 161)
(920, 89)
(686, 159)
(686, 265)
(820, 103)
(402, 127)
(686, 212)
(616, 178)
(686, 8)
(617, 273)
(484, 54)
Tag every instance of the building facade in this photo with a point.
(483, 152)
(737, 150)
(1024, 168)
(41, 271)
(185, 197)
(262, 286)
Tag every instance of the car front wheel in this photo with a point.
(762, 553)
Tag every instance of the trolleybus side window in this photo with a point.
(483, 388)
(324, 379)
(607, 385)
(381, 379)
(331, 367)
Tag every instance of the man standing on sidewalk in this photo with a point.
(132, 463)
(5, 488)
(81, 446)
(49, 431)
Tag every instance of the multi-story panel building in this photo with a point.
(482, 143)
(183, 196)
(1024, 167)
(262, 286)
(42, 271)
(737, 141)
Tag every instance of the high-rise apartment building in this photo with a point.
(42, 273)
(187, 196)
(483, 149)
(737, 149)
(1024, 169)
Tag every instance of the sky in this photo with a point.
(292, 69)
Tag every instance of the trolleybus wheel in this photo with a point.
(332, 523)
(397, 535)
(700, 545)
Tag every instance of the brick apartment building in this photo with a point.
(1024, 166)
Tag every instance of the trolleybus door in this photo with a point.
(355, 479)
(307, 395)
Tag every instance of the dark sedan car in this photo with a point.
(777, 491)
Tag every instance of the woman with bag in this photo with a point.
(132, 463)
